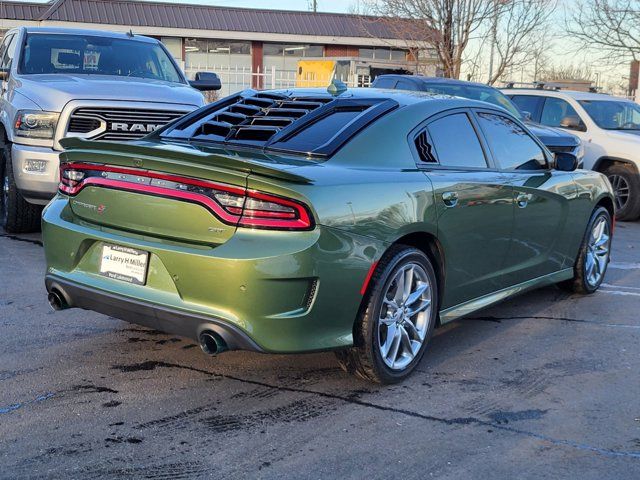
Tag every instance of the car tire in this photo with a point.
(16, 214)
(626, 186)
(594, 253)
(372, 357)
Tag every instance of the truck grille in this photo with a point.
(118, 123)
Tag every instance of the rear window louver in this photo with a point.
(272, 120)
(258, 118)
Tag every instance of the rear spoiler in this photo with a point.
(229, 159)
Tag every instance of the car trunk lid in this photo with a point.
(172, 191)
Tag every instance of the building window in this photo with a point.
(286, 50)
(367, 53)
(284, 57)
(205, 54)
(398, 54)
(383, 53)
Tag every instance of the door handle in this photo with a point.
(523, 199)
(450, 199)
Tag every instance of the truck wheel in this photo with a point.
(594, 255)
(397, 319)
(626, 187)
(16, 214)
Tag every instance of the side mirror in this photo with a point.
(573, 122)
(526, 115)
(566, 162)
(206, 82)
(4, 75)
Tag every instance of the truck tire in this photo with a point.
(626, 188)
(16, 214)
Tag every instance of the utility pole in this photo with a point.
(313, 5)
(494, 38)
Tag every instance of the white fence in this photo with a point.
(237, 78)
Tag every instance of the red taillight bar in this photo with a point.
(298, 219)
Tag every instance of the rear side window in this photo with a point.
(555, 111)
(383, 82)
(511, 145)
(406, 85)
(452, 142)
(527, 103)
(8, 52)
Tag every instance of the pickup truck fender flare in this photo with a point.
(603, 162)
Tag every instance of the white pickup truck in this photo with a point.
(58, 83)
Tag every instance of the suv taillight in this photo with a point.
(233, 205)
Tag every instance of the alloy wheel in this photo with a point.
(404, 317)
(598, 248)
(620, 189)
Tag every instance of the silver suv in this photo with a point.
(97, 85)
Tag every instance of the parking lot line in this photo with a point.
(624, 266)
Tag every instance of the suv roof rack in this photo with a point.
(535, 85)
(541, 85)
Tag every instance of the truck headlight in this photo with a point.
(35, 124)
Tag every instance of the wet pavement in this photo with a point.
(543, 386)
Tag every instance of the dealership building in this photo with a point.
(246, 47)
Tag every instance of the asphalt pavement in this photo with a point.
(545, 385)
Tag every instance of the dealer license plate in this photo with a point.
(124, 264)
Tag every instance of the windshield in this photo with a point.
(91, 55)
(475, 92)
(613, 115)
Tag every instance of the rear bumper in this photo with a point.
(166, 319)
(280, 292)
(36, 185)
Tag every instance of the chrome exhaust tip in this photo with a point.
(211, 343)
(56, 301)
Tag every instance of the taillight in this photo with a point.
(231, 204)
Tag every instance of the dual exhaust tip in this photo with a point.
(210, 342)
(56, 301)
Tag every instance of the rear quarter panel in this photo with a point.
(593, 187)
(372, 186)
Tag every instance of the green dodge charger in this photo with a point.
(302, 220)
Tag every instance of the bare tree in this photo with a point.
(612, 27)
(568, 72)
(518, 25)
(540, 60)
(444, 26)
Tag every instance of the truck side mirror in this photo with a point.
(566, 162)
(206, 82)
(573, 122)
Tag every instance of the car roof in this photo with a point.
(89, 32)
(564, 93)
(403, 97)
(435, 80)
